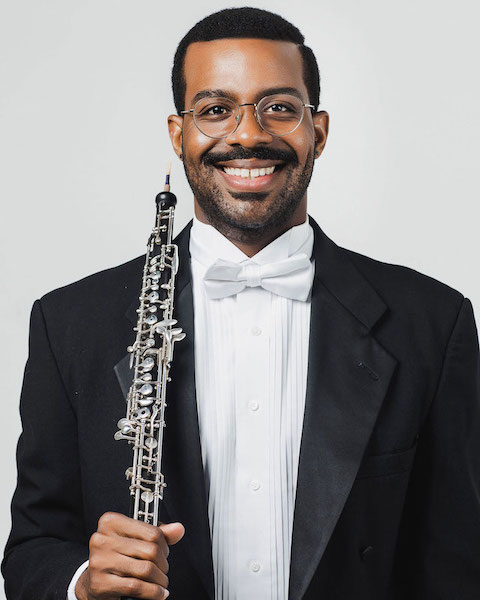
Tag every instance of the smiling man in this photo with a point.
(250, 138)
(323, 422)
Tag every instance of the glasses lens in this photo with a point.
(216, 117)
(280, 114)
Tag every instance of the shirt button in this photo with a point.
(256, 330)
(253, 405)
(255, 566)
(255, 485)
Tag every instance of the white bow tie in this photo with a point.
(291, 278)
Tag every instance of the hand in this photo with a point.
(128, 558)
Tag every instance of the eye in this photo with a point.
(216, 110)
(277, 107)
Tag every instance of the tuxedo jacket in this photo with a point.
(388, 494)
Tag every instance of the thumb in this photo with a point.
(173, 532)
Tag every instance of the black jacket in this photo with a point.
(388, 496)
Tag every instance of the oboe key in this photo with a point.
(148, 363)
(167, 323)
(141, 413)
(145, 401)
(147, 497)
(178, 335)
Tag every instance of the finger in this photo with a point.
(123, 526)
(110, 544)
(124, 566)
(145, 570)
(128, 587)
(141, 550)
(173, 532)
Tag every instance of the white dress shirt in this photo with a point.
(251, 355)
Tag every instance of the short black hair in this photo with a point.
(245, 22)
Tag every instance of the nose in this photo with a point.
(248, 132)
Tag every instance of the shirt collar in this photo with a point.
(207, 245)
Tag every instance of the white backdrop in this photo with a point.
(85, 91)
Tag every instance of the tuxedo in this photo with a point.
(388, 491)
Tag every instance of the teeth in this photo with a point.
(249, 173)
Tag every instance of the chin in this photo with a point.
(249, 196)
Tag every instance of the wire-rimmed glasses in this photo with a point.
(218, 117)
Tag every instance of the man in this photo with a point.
(323, 422)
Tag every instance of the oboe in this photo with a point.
(151, 357)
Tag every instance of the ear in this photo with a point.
(320, 124)
(175, 130)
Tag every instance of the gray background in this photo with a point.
(85, 91)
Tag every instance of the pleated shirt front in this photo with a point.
(251, 355)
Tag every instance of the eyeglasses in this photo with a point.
(218, 117)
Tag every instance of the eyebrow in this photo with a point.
(224, 94)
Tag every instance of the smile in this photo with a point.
(249, 173)
(242, 176)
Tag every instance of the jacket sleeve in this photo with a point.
(439, 543)
(47, 542)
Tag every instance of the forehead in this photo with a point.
(243, 67)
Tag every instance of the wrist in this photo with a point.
(80, 587)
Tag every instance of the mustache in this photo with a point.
(241, 153)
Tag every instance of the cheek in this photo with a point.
(304, 144)
(194, 143)
(303, 140)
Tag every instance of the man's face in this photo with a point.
(245, 70)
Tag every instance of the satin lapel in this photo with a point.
(185, 495)
(348, 376)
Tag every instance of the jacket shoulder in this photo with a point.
(405, 288)
(96, 301)
(110, 287)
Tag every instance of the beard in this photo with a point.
(256, 216)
